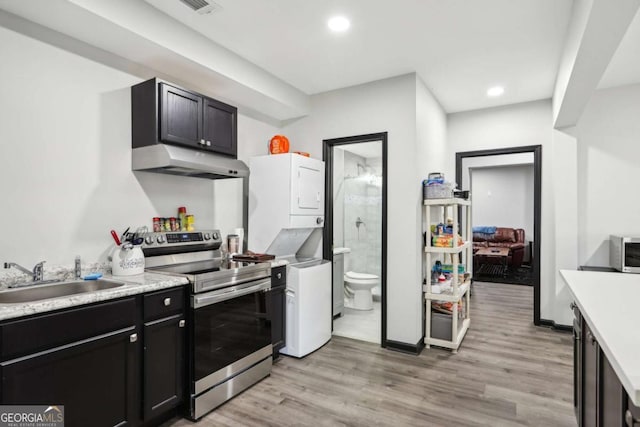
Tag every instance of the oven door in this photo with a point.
(231, 332)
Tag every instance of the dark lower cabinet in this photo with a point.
(632, 415)
(94, 379)
(277, 309)
(164, 365)
(590, 355)
(115, 363)
(600, 398)
(612, 395)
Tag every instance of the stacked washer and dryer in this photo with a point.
(286, 216)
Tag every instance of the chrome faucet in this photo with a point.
(36, 275)
(78, 267)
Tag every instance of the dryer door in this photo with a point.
(307, 186)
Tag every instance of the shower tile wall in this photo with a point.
(362, 197)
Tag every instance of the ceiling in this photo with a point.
(458, 47)
(267, 57)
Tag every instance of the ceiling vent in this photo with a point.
(202, 6)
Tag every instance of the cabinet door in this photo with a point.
(94, 379)
(577, 367)
(307, 186)
(163, 365)
(338, 284)
(220, 127)
(277, 311)
(590, 355)
(180, 116)
(612, 395)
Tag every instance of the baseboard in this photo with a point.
(404, 347)
(553, 325)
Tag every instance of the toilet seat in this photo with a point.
(360, 276)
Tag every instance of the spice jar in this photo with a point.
(190, 223)
(157, 224)
(182, 217)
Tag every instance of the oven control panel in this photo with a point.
(182, 238)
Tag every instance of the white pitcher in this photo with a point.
(127, 262)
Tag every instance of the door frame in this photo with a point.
(327, 233)
(537, 210)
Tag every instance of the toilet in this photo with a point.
(358, 286)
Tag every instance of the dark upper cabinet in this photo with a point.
(220, 126)
(162, 112)
(180, 116)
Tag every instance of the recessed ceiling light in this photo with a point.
(339, 24)
(495, 91)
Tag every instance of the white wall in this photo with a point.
(416, 126)
(65, 158)
(608, 148)
(565, 170)
(517, 125)
(338, 197)
(253, 140)
(503, 196)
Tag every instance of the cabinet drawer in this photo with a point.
(163, 304)
(278, 276)
(20, 337)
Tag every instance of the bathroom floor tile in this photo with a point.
(360, 325)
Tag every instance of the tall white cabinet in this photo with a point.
(437, 211)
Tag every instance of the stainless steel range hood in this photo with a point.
(174, 160)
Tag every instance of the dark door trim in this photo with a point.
(327, 236)
(537, 209)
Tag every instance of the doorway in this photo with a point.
(508, 161)
(354, 235)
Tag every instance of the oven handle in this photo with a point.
(217, 296)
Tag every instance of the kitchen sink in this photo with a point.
(56, 289)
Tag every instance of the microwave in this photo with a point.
(624, 254)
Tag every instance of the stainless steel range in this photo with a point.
(229, 345)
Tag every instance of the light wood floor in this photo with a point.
(507, 372)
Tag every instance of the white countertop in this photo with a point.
(137, 284)
(278, 262)
(609, 304)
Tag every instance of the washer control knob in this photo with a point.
(149, 240)
(161, 239)
(215, 236)
(207, 236)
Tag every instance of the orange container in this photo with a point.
(279, 144)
